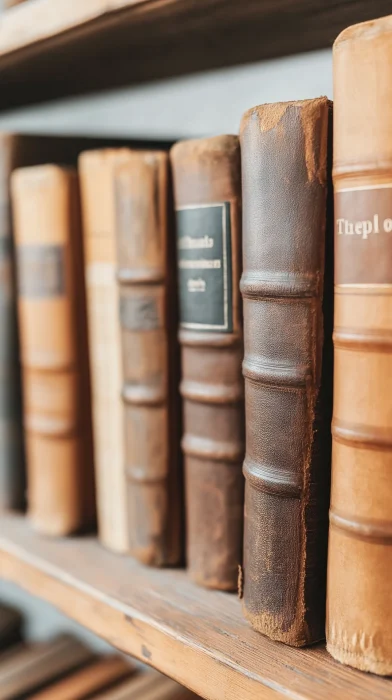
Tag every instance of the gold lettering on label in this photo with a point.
(365, 228)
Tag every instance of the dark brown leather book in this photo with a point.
(148, 320)
(54, 353)
(207, 184)
(287, 292)
(89, 680)
(33, 666)
(10, 626)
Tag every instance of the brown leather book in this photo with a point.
(148, 319)
(207, 184)
(287, 292)
(359, 612)
(98, 212)
(33, 666)
(52, 318)
(86, 682)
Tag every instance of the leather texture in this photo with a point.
(54, 353)
(146, 275)
(207, 171)
(98, 213)
(287, 367)
(359, 613)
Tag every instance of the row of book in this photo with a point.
(64, 668)
(265, 234)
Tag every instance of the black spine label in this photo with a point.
(204, 267)
(41, 271)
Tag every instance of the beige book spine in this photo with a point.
(96, 169)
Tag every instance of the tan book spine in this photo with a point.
(359, 611)
(148, 319)
(51, 309)
(97, 194)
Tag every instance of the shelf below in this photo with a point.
(54, 48)
(197, 637)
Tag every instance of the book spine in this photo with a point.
(145, 275)
(12, 463)
(97, 194)
(359, 617)
(287, 370)
(208, 202)
(53, 349)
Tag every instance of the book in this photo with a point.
(32, 666)
(359, 617)
(18, 150)
(98, 675)
(98, 214)
(54, 353)
(147, 314)
(207, 186)
(287, 294)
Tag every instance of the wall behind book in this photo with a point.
(204, 104)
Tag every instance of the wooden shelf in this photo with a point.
(197, 637)
(53, 48)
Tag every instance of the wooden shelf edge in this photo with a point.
(196, 637)
(56, 48)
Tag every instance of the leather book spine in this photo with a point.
(98, 214)
(207, 185)
(146, 276)
(12, 462)
(287, 367)
(359, 613)
(51, 308)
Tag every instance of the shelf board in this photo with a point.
(197, 637)
(54, 48)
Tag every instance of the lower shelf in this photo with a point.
(197, 637)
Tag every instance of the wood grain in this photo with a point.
(56, 47)
(195, 636)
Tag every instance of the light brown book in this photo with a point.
(102, 673)
(32, 666)
(359, 611)
(52, 319)
(97, 196)
(207, 187)
(146, 275)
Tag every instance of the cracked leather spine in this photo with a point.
(359, 629)
(146, 275)
(54, 352)
(207, 188)
(287, 296)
